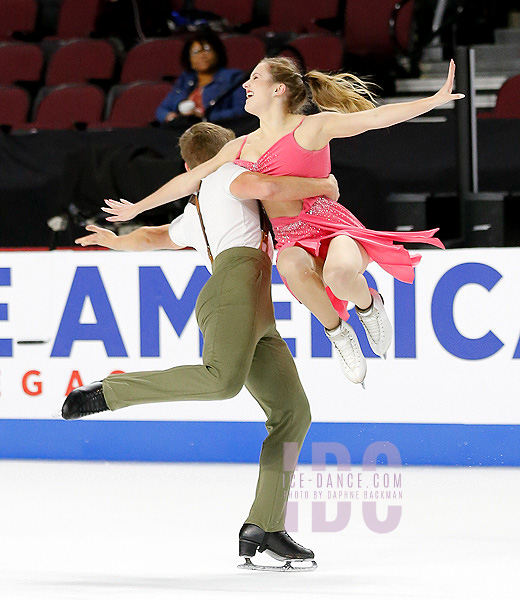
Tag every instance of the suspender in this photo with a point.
(195, 200)
(264, 222)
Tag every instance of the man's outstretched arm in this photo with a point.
(144, 238)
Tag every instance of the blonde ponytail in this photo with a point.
(342, 93)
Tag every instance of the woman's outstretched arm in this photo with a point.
(178, 187)
(334, 125)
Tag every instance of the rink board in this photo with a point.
(446, 394)
(214, 441)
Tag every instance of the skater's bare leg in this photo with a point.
(343, 271)
(303, 273)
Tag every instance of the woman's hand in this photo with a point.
(98, 237)
(445, 94)
(121, 210)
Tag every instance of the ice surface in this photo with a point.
(103, 531)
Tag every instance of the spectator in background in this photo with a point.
(204, 80)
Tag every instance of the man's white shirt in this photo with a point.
(229, 221)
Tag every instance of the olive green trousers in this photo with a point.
(241, 347)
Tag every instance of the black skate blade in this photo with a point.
(290, 566)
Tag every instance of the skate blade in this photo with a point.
(291, 566)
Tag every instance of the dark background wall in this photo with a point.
(42, 174)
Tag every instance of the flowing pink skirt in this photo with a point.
(321, 219)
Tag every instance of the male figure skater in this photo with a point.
(235, 314)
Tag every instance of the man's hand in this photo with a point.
(99, 237)
(142, 238)
(334, 193)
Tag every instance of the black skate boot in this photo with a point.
(278, 545)
(83, 401)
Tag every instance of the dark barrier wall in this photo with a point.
(43, 173)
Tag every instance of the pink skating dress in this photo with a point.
(322, 219)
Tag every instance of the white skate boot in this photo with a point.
(353, 362)
(376, 324)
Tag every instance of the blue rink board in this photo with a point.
(216, 441)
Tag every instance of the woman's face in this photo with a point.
(260, 89)
(203, 58)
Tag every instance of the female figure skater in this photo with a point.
(323, 248)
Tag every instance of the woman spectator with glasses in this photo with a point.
(203, 81)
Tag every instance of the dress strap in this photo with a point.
(303, 119)
(240, 150)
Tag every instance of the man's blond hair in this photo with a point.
(202, 141)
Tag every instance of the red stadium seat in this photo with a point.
(236, 12)
(79, 61)
(367, 28)
(243, 51)
(134, 105)
(20, 62)
(153, 60)
(299, 16)
(14, 106)
(77, 18)
(17, 16)
(508, 101)
(64, 106)
(322, 52)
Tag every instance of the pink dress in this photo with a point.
(321, 219)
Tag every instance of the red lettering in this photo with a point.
(74, 382)
(36, 386)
